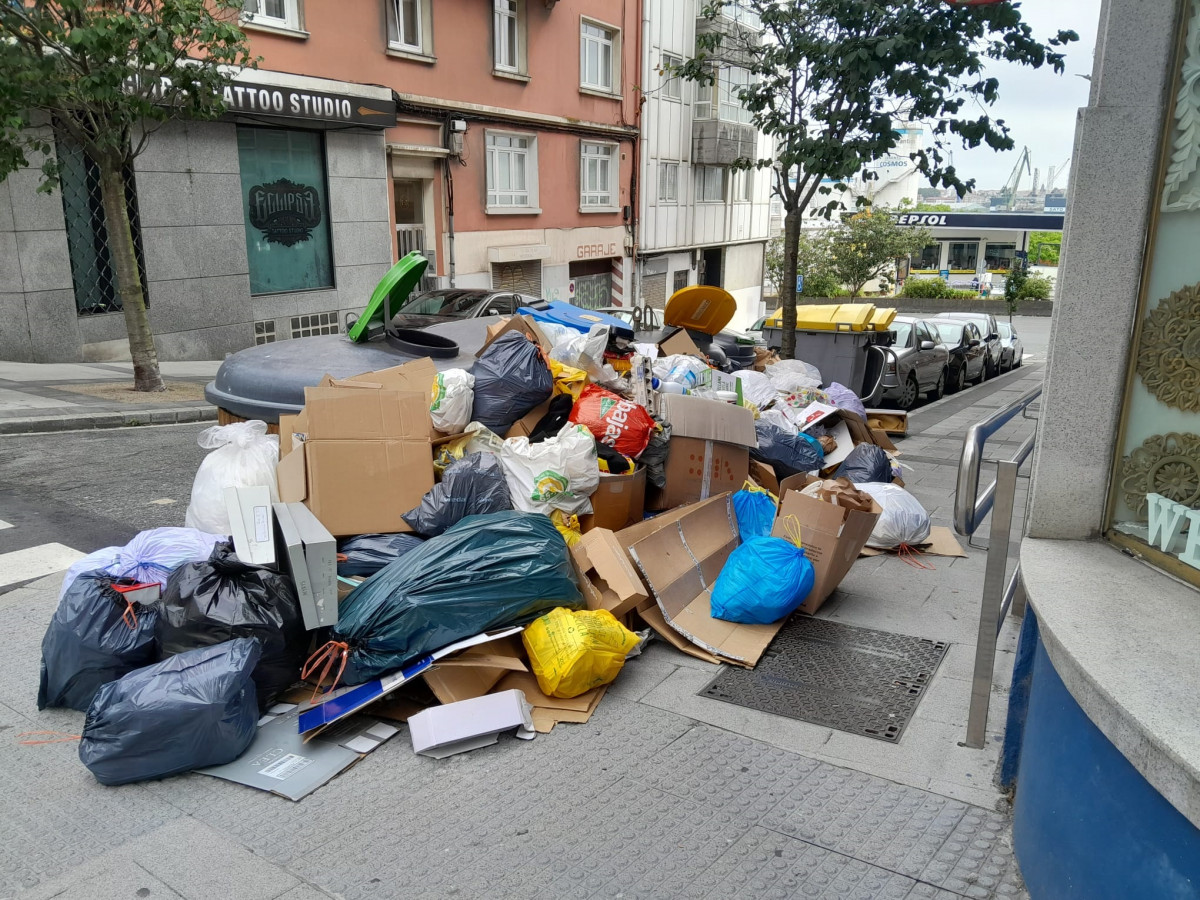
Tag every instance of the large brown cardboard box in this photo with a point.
(708, 450)
(619, 501)
(831, 535)
(358, 459)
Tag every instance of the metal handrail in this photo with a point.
(970, 509)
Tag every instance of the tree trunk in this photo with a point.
(129, 283)
(787, 290)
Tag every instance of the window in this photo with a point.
(286, 208)
(704, 102)
(672, 84)
(273, 13)
(743, 15)
(964, 256)
(407, 21)
(743, 185)
(710, 184)
(923, 333)
(668, 182)
(596, 176)
(511, 172)
(681, 279)
(999, 257)
(506, 31)
(597, 57)
(723, 100)
(928, 259)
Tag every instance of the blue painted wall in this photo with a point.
(1087, 825)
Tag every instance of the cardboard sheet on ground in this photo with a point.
(942, 542)
(281, 761)
(549, 711)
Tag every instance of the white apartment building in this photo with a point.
(701, 222)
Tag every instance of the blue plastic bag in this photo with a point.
(755, 513)
(151, 556)
(764, 580)
(788, 453)
(195, 709)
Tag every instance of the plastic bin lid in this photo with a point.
(576, 317)
(882, 320)
(700, 307)
(830, 317)
(394, 287)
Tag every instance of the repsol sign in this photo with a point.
(921, 219)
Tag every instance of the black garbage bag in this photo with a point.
(223, 598)
(552, 422)
(195, 709)
(486, 572)
(511, 378)
(472, 486)
(787, 452)
(654, 457)
(366, 554)
(866, 462)
(95, 637)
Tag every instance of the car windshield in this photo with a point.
(1006, 331)
(443, 303)
(949, 332)
(903, 330)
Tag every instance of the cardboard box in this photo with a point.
(475, 671)
(764, 476)
(310, 555)
(618, 502)
(442, 731)
(549, 711)
(524, 324)
(679, 342)
(608, 580)
(293, 563)
(251, 521)
(708, 450)
(680, 562)
(832, 536)
(524, 426)
(361, 458)
(891, 421)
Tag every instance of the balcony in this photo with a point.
(719, 143)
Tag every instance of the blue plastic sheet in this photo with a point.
(755, 513)
(764, 580)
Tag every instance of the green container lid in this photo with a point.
(393, 289)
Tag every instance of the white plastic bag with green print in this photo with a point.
(453, 395)
(558, 473)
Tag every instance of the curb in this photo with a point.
(125, 419)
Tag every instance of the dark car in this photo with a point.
(449, 304)
(989, 334)
(968, 359)
(918, 362)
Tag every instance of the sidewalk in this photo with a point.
(662, 794)
(37, 397)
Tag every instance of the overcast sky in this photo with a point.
(1038, 105)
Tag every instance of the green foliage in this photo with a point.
(866, 246)
(1036, 287)
(907, 205)
(1044, 248)
(933, 289)
(814, 261)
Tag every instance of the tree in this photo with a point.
(1044, 247)
(814, 261)
(832, 81)
(106, 74)
(868, 244)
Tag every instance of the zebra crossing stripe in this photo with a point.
(34, 562)
(4, 524)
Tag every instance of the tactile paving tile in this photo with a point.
(976, 859)
(860, 680)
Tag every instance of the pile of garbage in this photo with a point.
(469, 552)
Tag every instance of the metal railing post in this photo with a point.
(994, 586)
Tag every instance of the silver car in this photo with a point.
(1011, 348)
(921, 363)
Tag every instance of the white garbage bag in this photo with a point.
(904, 520)
(561, 472)
(756, 387)
(243, 455)
(790, 375)
(453, 398)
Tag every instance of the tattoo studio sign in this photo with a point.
(316, 106)
(285, 212)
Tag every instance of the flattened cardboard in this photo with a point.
(618, 501)
(474, 671)
(832, 536)
(442, 731)
(252, 522)
(710, 420)
(320, 559)
(679, 343)
(942, 542)
(680, 562)
(881, 439)
(608, 580)
(549, 711)
(653, 617)
(892, 421)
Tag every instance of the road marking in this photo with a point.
(34, 562)
(4, 524)
(165, 501)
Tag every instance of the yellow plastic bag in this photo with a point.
(476, 439)
(568, 526)
(573, 652)
(567, 379)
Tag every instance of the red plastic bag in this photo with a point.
(621, 424)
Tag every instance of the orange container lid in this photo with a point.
(700, 307)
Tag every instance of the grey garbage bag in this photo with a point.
(94, 637)
(366, 554)
(511, 378)
(866, 462)
(472, 486)
(195, 709)
(787, 452)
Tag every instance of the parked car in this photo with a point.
(968, 358)
(921, 363)
(989, 332)
(651, 317)
(450, 304)
(1013, 349)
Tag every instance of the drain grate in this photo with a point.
(841, 676)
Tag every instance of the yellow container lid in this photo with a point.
(832, 317)
(700, 307)
(882, 320)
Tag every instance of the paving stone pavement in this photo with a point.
(663, 794)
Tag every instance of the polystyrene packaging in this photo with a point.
(453, 396)
(243, 455)
(904, 520)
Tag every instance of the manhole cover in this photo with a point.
(853, 679)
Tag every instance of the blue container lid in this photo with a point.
(574, 317)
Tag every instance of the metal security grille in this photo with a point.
(264, 332)
(317, 323)
(654, 290)
(92, 273)
(853, 679)
(523, 277)
(681, 279)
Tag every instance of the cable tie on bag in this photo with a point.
(61, 737)
(912, 556)
(327, 654)
(791, 528)
(129, 615)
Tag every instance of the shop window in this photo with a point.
(596, 170)
(508, 37)
(593, 283)
(409, 24)
(1154, 499)
(964, 256)
(668, 182)
(599, 57)
(928, 259)
(999, 257)
(710, 184)
(285, 14)
(92, 274)
(672, 86)
(511, 173)
(286, 207)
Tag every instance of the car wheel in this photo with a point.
(958, 380)
(939, 388)
(983, 370)
(1017, 360)
(910, 393)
